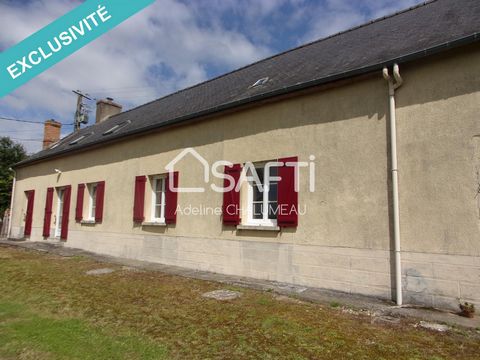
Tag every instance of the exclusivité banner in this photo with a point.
(62, 38)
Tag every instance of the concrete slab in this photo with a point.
(222, 295)
(132, 269)
(434, 326)
(388, 320)
(100, 271)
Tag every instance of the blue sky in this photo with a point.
(168, 46)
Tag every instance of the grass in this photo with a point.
(47, 337)
(50, 309)
(334, 304)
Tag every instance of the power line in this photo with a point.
(27, 121)
(21, 120)
(17, 131)
(39, 140)
(123, 88)
(122, 91)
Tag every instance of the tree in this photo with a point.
(10, 154)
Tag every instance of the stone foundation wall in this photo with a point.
(432, 280)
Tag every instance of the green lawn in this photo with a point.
(30, 335)
(50, 309)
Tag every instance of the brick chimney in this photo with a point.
(106, 108)
(51, 133)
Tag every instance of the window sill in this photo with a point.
(258, 227)
(88, 222)
(153, 223)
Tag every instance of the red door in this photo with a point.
(29, 215)
(65, 212)
(48, 213)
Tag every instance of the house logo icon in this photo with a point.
(248, 173)
(170, 167)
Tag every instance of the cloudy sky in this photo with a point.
(168, 46)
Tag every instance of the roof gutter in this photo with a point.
(470, 39)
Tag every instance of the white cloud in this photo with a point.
(333, 16)
(125, 63)
(170, 45)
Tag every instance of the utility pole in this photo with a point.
(81, 114)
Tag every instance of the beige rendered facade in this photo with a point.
(344, 238)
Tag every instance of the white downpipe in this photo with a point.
(9, 232)
(394, 84)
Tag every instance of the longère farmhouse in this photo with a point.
(386, 118)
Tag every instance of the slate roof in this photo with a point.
(405, 36)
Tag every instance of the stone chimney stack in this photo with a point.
(106, 108)
(51, 133)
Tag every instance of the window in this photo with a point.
(158, 199)
(161, 200)
(262, 196)
(111, 130)
(55, 145)
(116, 127)
(59, 216)
(268, 198)
(259, 82)
(76, 141)
(96, 194)
(79, 139)
(92, 192)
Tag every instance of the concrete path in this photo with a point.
(380, 310)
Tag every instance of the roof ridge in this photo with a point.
(427, 2)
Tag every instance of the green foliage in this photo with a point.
(10, 154)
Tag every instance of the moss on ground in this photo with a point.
(50, 309)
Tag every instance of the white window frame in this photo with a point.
(92, 201)
(265, 221)
(154, 180)
(58, 217)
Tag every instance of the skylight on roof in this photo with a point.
(261, 81)
(55, 145)
(77, 140)
(109, 131)
(116, 127)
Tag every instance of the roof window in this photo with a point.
(54, 145)
(117, 128)
(79, 139)
(259, 82)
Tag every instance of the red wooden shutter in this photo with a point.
(287, 196)
(67, 192)
(171, 199)
(79, 208)
(99, 202)
(29, 214)
(48, 213)
(231, 199)
(139, 199)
